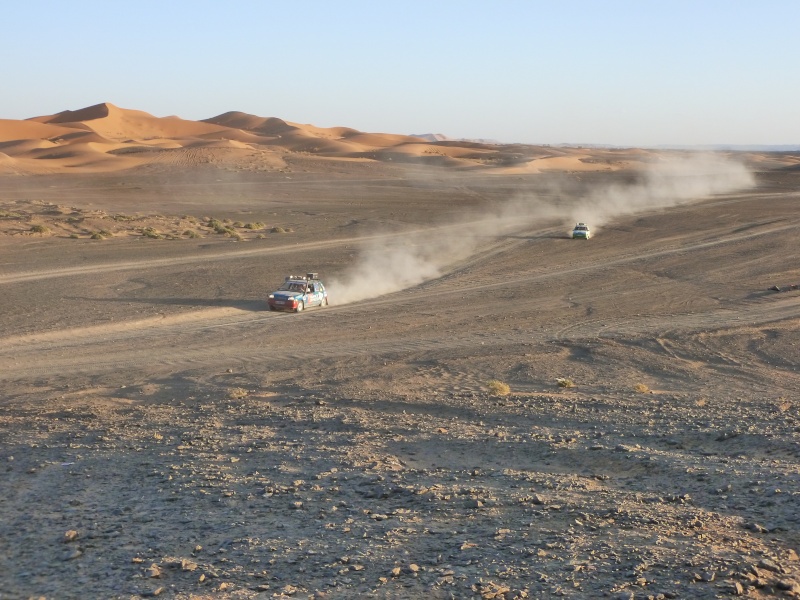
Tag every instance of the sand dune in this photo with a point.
(11, 130)
(105, 137)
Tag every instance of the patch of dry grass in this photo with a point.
(498, 388)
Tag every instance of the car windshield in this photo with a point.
(293, 286)
(581, 228)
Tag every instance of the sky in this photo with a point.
(621, 72)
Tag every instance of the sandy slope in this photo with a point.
(163, 434)
(105, 138)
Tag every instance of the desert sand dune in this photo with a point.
(120, 124)
(11, 130)
(107, 123)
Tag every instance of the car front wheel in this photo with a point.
(300, 307)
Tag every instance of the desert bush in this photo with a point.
(235, 235)
(74, 236)
(220, 227)
(498, 388)
(96, 236)
(564, 382)
(260, 236)
(237, 393)
(214, 223)
(191, 234)
(641, 388)
(150, 232)
(278, 230)
(256, 225)
(40, 229)
(238, 224)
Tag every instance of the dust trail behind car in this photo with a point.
(391, 264)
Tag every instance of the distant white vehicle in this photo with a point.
(581, 232)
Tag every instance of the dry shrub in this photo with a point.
(237, 393)
(151, 232)
(564, 382)
(498, 388)
(641, 388)
(40, 229)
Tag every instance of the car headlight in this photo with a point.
(272, 296)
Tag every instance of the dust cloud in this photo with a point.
(665, 183)
(395, 262)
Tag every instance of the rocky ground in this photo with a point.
(164, 435)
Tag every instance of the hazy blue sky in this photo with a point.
(629, 72)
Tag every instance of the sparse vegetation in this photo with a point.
(564, 382)
(498, 388)
(220, 227)
(97, 236)
(151, 232)
(238, 224)
(4, 214)
(189, 233)
(256, 225)
(281, 230)
(74, 236)
(641, 388)
(42, 229)
(237, 393)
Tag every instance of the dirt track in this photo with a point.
(200, 446)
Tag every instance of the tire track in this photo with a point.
(172, 341)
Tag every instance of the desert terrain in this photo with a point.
(163, 435)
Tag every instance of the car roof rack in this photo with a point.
(306, 277)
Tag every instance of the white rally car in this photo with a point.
(581, 232)
(298, 292)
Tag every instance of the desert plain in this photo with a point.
(486, 409)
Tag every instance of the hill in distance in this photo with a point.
(107, 138)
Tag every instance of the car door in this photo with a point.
(314, 295)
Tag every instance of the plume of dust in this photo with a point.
(394, 262)
(665, 183)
